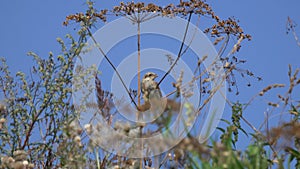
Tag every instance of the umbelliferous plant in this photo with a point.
(39, 123)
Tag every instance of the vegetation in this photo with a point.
(39, 125)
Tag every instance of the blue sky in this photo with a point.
(34, 25)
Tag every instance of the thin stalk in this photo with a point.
(180, 50)
(139, 62)
(111, 64)
(139, 81)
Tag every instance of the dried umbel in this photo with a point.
(139, 12)
(184, 8)
(227, 27)
(85, 17)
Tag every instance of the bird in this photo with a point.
(152, 96)
(150, 88)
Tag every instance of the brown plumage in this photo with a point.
(150, 89)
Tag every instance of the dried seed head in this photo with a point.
(88, 128)
(227, 65)
(269, 88)
(219, 39)
(273, 104)
(31, 166)
(25, 163)
(2, 107)
(2, 120)
(77, 139)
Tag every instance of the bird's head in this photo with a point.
(150, 75)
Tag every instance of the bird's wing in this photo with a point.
(157, 88)
(143, 87)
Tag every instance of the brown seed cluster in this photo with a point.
(198, 7)
(294, 81)
(183, 8)
(269, 88)
(227, 27)
(132, 8)
(84, 17)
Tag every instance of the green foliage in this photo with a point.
(234, 125)
(37, 107)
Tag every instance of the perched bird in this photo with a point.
(152, 96)
(150, 89)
